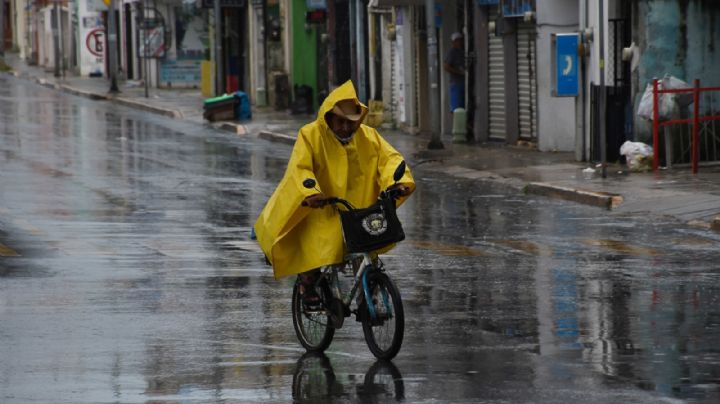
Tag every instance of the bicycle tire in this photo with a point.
(384, 334)
(313, 330)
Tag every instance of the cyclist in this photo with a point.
(348, 160)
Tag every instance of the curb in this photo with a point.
(276, 137)
(236, 128)
(149, 108)
(600, 199)
(82, 93)
(102, 97)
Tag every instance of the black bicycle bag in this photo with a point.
(371, 228)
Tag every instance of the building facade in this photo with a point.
(288, 54)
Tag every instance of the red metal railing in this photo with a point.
(695, 121)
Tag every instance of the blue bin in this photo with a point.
(243, 111)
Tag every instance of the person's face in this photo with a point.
(458, 43)
(342, 127)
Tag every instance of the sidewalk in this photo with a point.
(693, 199)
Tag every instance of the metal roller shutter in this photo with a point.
(496, 85)
(527, 80)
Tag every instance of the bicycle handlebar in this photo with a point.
(393, 193)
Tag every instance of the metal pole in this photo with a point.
(360, 50)
(695, 143)
(218, 48)
(112, 47)
(2, 28)
(145, 49)
(603, 135)
(656, 127)
(56, 36)
(434, 91)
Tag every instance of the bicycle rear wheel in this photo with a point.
(312, 327)
(385, 331)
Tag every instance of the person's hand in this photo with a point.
(314, 201)
(402, 190)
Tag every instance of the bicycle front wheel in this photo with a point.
(385, 329)
(312, 327)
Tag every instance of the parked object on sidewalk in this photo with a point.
(303, 102)
(222, 108)
(459, 128)
(374, 118)
(669, 105)
(243, 106)
(282, 91)
(639, 155)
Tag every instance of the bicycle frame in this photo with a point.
(367, 265)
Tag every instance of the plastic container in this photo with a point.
(222, 108)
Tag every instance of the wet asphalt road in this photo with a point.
(127, 275)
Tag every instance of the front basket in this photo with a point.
(371, 228)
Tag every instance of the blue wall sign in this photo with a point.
(566, 65)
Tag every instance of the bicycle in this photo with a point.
(379, 305)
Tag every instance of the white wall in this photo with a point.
(21, 28)
(258, 84)
(405, 59)
(556, 115)
(89, 21)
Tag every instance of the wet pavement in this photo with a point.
(127, 275)
(692, 199)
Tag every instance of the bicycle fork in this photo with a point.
(363, 276)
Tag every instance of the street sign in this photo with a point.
(567, 83)
(95, 42)
(152, 42)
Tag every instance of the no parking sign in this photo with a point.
(95, 42)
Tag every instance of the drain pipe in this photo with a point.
(603, 93)
(585, 40)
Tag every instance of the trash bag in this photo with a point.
(673, 83)
(639, 156)
(668, 104)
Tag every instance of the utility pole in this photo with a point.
(434, 91)
(56, 35)
(146, 44)
(112, 47)
(2, 27)
(218, 49)
(360, 50)
(601, 100)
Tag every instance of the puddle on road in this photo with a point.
(7, 251)
(453, 250)
(694, 241)
(622, 247)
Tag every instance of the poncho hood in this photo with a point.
(344, 92)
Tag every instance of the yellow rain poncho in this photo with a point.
(296, 239)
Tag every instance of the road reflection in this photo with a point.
(315, 381)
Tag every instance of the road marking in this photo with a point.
(7, 251)
(526, 246)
